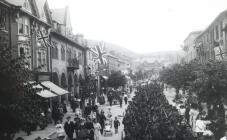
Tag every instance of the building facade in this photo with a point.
(27, 19)
(189, 46)
(68, 56)
(211, 44)
(31, 29)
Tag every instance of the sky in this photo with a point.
(142, 26)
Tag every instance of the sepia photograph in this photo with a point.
(113, 69)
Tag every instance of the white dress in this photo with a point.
(60, 130)
(97, 133)
(193, 115)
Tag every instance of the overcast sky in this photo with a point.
(141, 25)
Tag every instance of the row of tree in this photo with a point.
(208, 81)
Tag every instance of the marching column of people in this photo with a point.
(150, 116)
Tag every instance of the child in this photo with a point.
(116, 124)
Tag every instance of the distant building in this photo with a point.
(211, 44)
(190, 47)
(112, 63)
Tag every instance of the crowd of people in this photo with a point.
(149, 116)
(117, 96)
(205, 123)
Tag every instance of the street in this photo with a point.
(50, 130)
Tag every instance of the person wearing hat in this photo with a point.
(69, 128)
(102, 119)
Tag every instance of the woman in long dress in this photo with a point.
(97, 128)
(194, 112)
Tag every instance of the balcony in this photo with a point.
(73, 64)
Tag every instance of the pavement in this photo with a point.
(50, 129)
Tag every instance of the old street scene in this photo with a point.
(113, 70)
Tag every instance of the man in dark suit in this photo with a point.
(69, 128)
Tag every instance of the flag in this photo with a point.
(99, 54)
(43, 39)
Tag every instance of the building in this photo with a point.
(189, 46)
(5, 27)
(68, 56)
(112, 63)
(211, 43)
(56, 59)
(25, 20)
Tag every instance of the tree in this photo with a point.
(16, 96)
(180, 76)
(116, 79)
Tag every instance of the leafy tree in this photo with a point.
(116, 79)
(18, 102)
(180, 76)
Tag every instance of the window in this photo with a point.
(69, 54)
(24, 50)
(23, 25)
(63, 53)
(41, 57)
(3, 18)
(216, 32)
(80, 58)
(221, 27)
(26, 27)
(54, 50)
(20, 25)
(75, 55)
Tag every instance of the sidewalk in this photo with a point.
(46, 132)
(116, 111)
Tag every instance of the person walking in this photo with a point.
(77, 125)
(97, 128)
(116, 125)
(102, 119)
(126, 98)
(69, 128)
(120, 101)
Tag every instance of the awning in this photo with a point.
(54, 88)
(46, 94)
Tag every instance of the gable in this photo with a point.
(26, 6)
(43, 10)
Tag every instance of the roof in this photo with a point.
(58, 15)
(193, 33)
(222, 14)
(39, 8)
(16, 2)
(53, 32)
